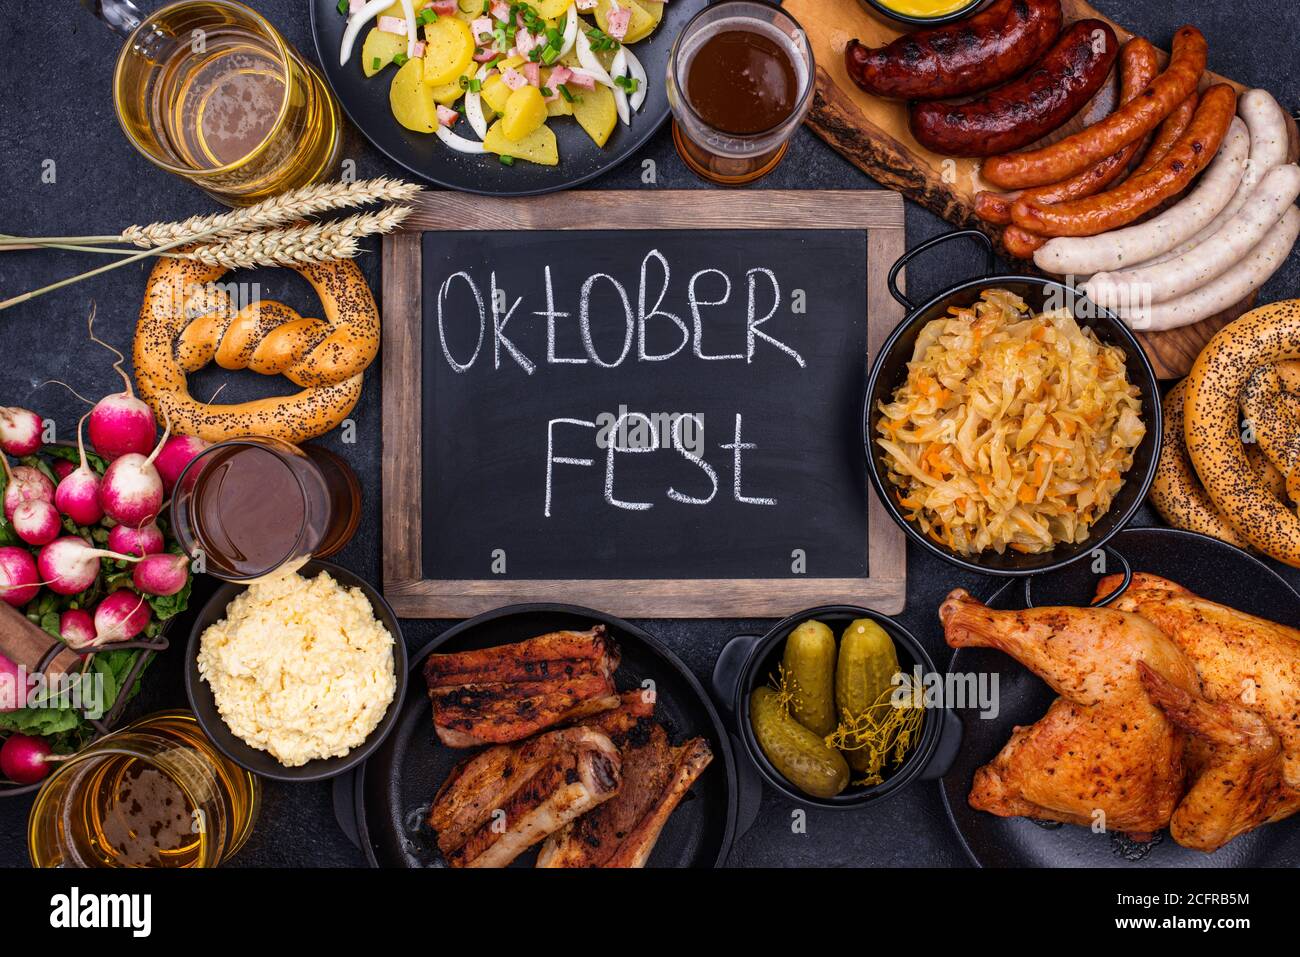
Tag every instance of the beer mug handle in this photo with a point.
(121, 16)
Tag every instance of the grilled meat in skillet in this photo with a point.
(502, 801)
(502, 694)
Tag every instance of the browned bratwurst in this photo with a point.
(1053, 163)
(1027, 108)
(1169, 177)
(959, 58)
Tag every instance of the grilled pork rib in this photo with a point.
(502, 694)
(501, 802)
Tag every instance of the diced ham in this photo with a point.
(419, 49)
(482, 56)
(524, 42)
(447, 116)
(480, 26)
(581, 79)
(617, 21)
(501, 10)
(533, 73)
(444, 8)
(393, 25)
(559, 75)
(513, 78)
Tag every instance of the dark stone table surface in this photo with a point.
(57, 108)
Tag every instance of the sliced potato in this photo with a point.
(393, 11)
(448, 50)
(495, 93)
(379, 49)
(656, 11)
(409, 98)
(449, 93)
(524, 112)
(558, 106)
(539, 146)
(642, 24)
(596, 113)
(550, 9)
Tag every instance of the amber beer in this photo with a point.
(739, 82)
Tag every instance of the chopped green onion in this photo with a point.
(427, 15)
(554, 37)
(374, 63)
(564, 92)
(463, 82)
(550, 55)
(627, 84)
(343, 6)
(475, 85)
(486, 5)
(601, 41)
(400, 59)
(535, 54)
(507, 160)
(547, 91)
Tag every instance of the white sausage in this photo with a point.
(1168, 280)
(1232, 287)
(1269, 144)
(1081, 256)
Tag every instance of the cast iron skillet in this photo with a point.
(748, 661)
(890, 369)
(366, 103)
(1213, 570)
(396, 785)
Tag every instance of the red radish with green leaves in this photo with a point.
(69, 565)
(164, 574)
(24, 759)
(20, 431)
(77, 495)
(77, 628)
(23, 483)
(132, 490)
(121, 616)
(121, 423)
(37, 522)
(138, 542)
(62, 468)
(20, 581)
(177, 452)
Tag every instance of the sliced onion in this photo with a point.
(459, 143)
(638, 73)
(617, 69)
(570, 29)
(356, 21)
(474, 105)
(408, 8)
(589, 62)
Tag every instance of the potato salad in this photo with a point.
(488, 76)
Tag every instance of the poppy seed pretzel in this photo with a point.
(188, 321)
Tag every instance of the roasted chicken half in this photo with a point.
(656, 776)
(502, 801)
(502, 694)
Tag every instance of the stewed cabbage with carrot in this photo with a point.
(1012, 429)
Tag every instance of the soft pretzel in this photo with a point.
(187, 321)
(1273, 412)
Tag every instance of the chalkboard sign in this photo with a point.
(655, 410)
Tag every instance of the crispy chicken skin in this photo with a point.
(1103, 746)
(503, 694)
(502, 801)
(656, 776)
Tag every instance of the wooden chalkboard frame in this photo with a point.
(879, 213)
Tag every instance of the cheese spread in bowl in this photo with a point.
(299, 667)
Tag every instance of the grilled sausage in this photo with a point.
(1120, 206)
(1174, 125)
(1138, 66)
(1053, 163)
(1027, 108)
(960, 58)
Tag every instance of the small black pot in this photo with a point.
(890, 368)
(883, 12)
(748, 661)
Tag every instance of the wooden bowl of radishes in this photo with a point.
(86, 554)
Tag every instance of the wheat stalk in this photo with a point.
(295, 245)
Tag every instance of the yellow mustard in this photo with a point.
(924, 8)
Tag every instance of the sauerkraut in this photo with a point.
(1012, 430)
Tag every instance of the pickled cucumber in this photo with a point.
(799, 754)
(866, 666)
(809, 665)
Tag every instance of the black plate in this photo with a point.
(394, 788)
(366, 103)
(261, 762)
(1210, 568)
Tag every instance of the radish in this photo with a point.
(142, 541)
(62, 468)
(77, 628)
(132, 490)
(164, 574)
(24, 759)
(13, 694)
(20, 431)
(78, 493)
(177, 452)
(120, 617)
(24, 484)
(69, 565)
(19, 581)
(37, 522)
(120, 423)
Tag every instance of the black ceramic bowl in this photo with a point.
(885, 13)
(890, 369)
(261, 762)
(748, 662)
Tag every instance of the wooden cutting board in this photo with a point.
(872, 133)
